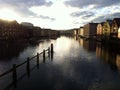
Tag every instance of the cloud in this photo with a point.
(82, 14)
(99, 19)
(27, 3)
(75, 14)
(109, 12)
(98, 3)
(116, 15)
(46, 17)
(22, 6)
(106, 17)
(96, 14)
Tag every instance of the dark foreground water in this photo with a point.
(76, 65)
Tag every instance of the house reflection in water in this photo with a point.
(108, 56)
(89, 45)
(80, 41)
(6, 49)
(98, 50)
(118, 61)
(102, 52)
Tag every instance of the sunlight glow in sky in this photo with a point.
(8, 14)
(59, 14)
(58, 11)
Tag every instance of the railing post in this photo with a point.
(37, 60)
(48, 51)
(44, 55)
(28, 66)
(14, 75)
(52, 48)
(52, 51)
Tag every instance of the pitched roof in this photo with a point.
(102, 23)
(117, 21)
(110, 22)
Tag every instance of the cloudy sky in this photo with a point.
(59, 14)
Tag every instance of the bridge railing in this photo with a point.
(13, 70)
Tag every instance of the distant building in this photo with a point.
(90, 30)
(66, 32)
(80, 31)
(29, 28)
(76, 31)
(115, 29)
(27, 24)
(37, 32)
(11, 30)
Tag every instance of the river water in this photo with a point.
(77, 64)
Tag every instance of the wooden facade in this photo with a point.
(107, 28)
(90, 30)
(99, 31)
(119, 33)
(115, 29)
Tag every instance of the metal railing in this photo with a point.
(27, 62)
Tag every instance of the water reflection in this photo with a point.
(108, 56)
(81, 41)
(118, 62)
(77, 67)
(89, 45)
(9, 50)
(77, 64)
(98, 50)
(63, 47)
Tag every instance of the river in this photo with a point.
(77, 64)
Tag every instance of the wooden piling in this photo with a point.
(52, 48)
(38, 60)
(14, 75)
(48, 51)
(28, 66)
(43, 55)
(51, 56)
(52, 51)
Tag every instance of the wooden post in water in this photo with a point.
(52, 48)
(48, 51)
(52, 51)
(38, 60)
(28, 66)
(14, 75)
(44, 55)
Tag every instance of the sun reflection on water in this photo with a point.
(63, 47)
